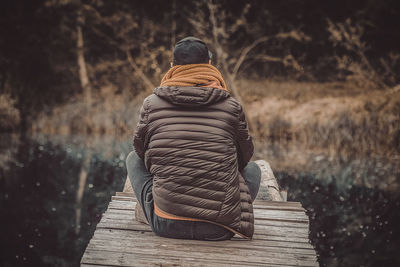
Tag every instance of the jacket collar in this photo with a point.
(191, 96)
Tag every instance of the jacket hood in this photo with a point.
(191, 96)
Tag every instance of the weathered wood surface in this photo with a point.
(280, 238)
(268, 181)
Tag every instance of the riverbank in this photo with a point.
(300, 127)
(330, 130)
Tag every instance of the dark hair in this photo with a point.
(191, 50)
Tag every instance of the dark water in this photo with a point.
(350, 225)
(38, 201)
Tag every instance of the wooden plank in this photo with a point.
(215, 246)
(105, 258)
(265, 235)
(127, 194)
(123, 198)
(259, 217)
(280, 215)
(256, 202)
(291, 239)
(258, 236)
(260, 229)
(277, 203)
(272, 222)
(129, 215)
(108, 234)
(278, 233)
(108, 224)
(268, 181)
(289, 208)
(260, 213)
(131, 205)
(262, 241)
(223, 254)
(258, 221)
(155, 248)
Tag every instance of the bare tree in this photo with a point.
(349, 36)
(173, 24)
(87, 91)
(133, 33)
(80, 52)
(210, 22)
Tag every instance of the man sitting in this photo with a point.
(190, 169)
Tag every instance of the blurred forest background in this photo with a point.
(320, 81)
(323, 74)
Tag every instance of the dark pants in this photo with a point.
(142, 183)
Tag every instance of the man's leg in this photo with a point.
(142, 183)
(252, 175)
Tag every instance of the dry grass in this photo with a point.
(336, 115)
(300, 126)
(332, 129)
(111, 114)
(340, 118)
(9, 114)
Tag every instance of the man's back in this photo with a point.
(193, 135)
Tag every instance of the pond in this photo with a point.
(46, 223)
(39, 203)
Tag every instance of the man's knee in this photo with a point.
(136, 168)
(132, 158)
(252, 175)
(253, 170)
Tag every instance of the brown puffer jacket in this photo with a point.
(195, 142)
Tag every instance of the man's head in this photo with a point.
(191, 50)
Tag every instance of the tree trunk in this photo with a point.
(221, 56)
(236, 94)
(173, 25)
(149, 85)
(83, 174)
(83, 74)
(85, 84)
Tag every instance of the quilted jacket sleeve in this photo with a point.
(245, 142)
(139, 139)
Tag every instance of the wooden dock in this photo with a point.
(280, 239)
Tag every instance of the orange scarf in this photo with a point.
(202, 75)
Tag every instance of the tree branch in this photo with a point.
(150, 86)
(244, 54)
(222, 60)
